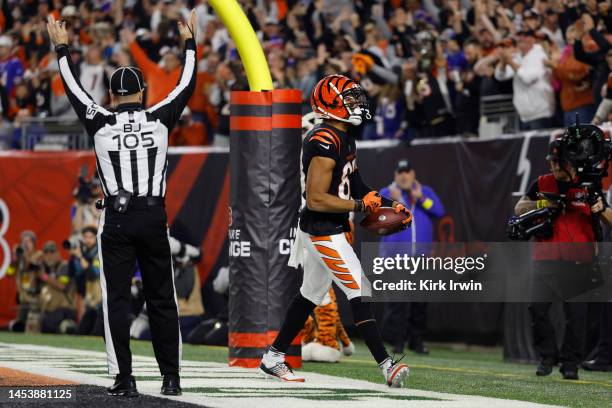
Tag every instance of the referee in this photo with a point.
(131, 146)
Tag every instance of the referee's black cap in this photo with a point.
(127, 81)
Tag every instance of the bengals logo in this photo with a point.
(5, 249)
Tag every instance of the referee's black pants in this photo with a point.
(139, 234)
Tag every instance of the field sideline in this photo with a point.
(471, 372)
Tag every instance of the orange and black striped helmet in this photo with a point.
(341, 98)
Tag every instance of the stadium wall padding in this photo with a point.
(265, 136)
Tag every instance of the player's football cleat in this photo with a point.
(280, 371)
(273, 365)
(394, 372)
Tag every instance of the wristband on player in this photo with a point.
(359, 206)
(543, 203)
(59, 47)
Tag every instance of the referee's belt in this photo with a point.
(135, 202)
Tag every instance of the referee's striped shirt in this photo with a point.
(131, 144)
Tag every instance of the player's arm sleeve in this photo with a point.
(169, 110)
(91, 115)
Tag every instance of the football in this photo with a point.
(385, 221)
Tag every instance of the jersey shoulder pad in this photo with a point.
(325, 137)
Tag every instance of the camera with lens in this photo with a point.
(84, 192)
(588, 151)
(71, 243)
(86, 189)
(536, 223)
(425, 47)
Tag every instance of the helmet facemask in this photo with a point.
(356, 103)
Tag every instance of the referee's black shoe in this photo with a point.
(171, 385)
(569, 371)
(545, 367)
(124, 386)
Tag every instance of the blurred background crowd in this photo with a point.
(58, 282)
(429, 67)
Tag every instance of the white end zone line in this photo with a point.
(217, 385)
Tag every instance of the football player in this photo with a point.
(333, 189)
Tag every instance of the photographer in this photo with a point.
(85, 266)
(188, 292)
(57, 301)
(432, 89)
(573, 223)
(25, 268)
(84, 212)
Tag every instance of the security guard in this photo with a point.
(131, 146)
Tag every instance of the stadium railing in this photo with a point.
(45, 134)
(498, 116)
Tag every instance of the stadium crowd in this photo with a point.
(63, 295)
(426, 65)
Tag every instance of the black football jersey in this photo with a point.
(327, 141)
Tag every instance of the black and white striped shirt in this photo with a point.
(131, 144)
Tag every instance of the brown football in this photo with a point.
(385, 221)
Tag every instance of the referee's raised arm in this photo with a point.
(169, 110)
(91, 115)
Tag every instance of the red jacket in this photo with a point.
(572, 225)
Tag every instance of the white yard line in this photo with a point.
(217, 385)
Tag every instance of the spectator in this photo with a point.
(57, 296)
(576, 93)
(591, 48)
(407, 321)
(85, 266)
(161, 78)
(433, 88)
(605, 107)
(83, 212)
(467, 87)
(533, 94)
(11, 68)
(551, 28)
(24, 267)
(188, 132)
(94, 75)
(389, 114)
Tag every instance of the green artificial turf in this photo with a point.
(458, 371)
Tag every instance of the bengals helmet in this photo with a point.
(341, 98)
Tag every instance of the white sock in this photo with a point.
(386, 364)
